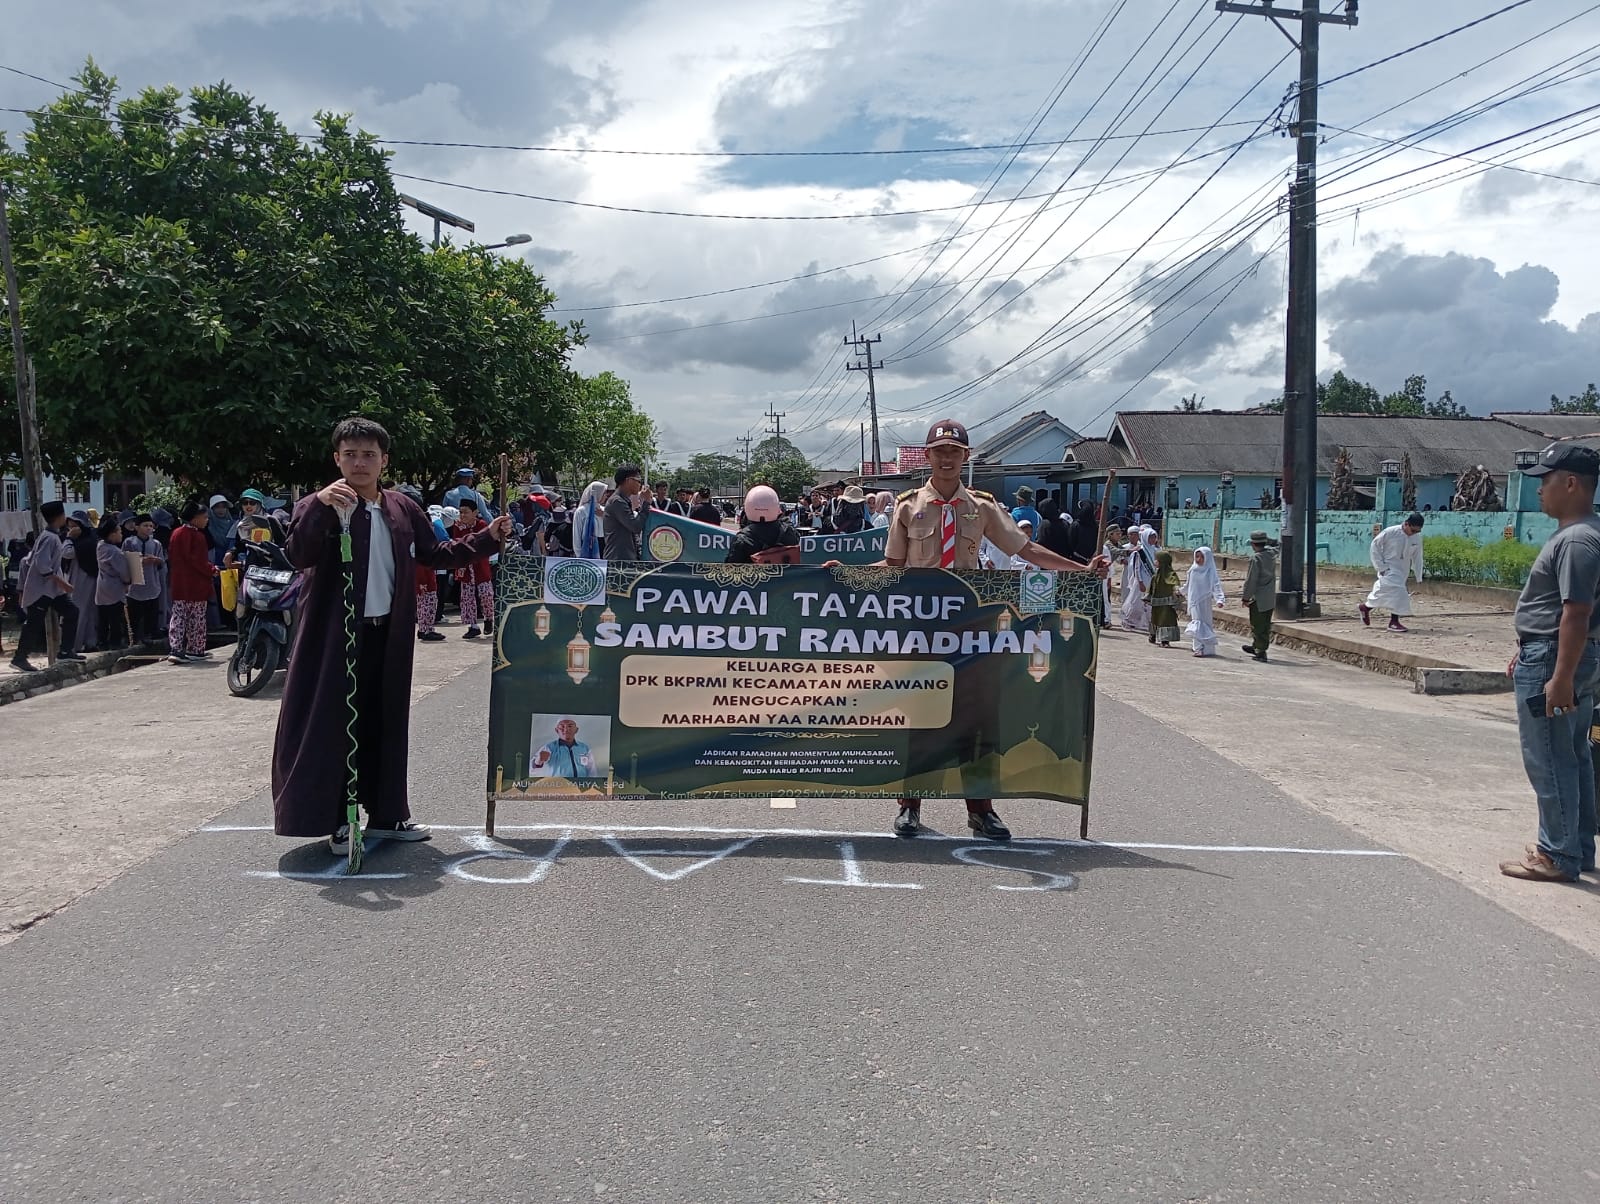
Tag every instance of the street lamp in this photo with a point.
(1390, 468)
(441, 217)
(1526, 458)
(512, 240)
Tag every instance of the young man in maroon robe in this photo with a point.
(308, 759)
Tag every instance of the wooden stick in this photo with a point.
(505, 493)
(1105, 511)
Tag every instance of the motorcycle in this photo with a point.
(267, 598)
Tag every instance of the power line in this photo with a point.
(1400, 54)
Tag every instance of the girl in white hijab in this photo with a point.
(1202, 590)
(586, 523)
(1137, 571)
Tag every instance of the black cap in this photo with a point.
(51, 510)
(947, 431)
(1571, 457)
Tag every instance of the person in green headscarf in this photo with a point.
(1164, 602)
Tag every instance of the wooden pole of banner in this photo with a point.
(1105, 523)
(505, 508)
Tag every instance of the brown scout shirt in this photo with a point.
(914, 529)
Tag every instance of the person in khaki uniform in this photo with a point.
(942, 525)
(1260, 593)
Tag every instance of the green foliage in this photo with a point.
(1587, 402)
(1457, 558)
(167, 495)
(1192, 404)
(787, 474)
(722, 473)
(1342, 394)
(206, 294)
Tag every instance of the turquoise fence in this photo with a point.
(1345, 536)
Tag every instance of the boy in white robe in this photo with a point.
(1396, 551)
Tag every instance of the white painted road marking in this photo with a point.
(853, 875)
(604, 830)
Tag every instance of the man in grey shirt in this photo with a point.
(1557, 668)
(625, 514)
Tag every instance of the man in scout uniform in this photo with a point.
(1260, 593)
(941, 526)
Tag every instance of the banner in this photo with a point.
(731, 681)
(670, 539)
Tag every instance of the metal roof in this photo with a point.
(1097, 453)
(1580, 428)
(1020, 431)
(1252, 444)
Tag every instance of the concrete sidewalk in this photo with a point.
(135, 762)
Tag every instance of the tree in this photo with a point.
(1408, 483)
(1192, 404)
(207, 293)
(717, 471)
(1587, 402)
(1341, 485)
(787, 474)
(1445, 406)
(602, 429)
(1410, 401)
(1342, 395)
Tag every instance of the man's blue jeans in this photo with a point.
(1555, 754)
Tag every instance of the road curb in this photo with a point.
(1390, 662)
(1462, 681)
(95, 665)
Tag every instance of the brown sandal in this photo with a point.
(1535, 866)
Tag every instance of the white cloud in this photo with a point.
(703, 74)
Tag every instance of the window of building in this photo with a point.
(10, 494)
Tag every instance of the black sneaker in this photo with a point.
(988, 824)
(339, 842)
(70, 656)
(402, 830)
(200, 656)
(1248, 649)
(430, 636)
(471, 633)
(908, 822)
(177, 658)
(21, 665)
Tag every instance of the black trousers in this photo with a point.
(371, 655)
(32, 638)
(112, 633)
(145, 612)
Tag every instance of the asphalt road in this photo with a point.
(582, 1012)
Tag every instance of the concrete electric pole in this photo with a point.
(745, 439)
(776, 419)
(863, 348)
(1297, 591)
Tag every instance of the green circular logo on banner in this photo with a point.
(575, 582)
(666, 544)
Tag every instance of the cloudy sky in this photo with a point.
(1129, 256)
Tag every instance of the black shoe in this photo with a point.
(988, 824)
(21, 665)
(1248, 649)
(430, 635)
(403, 830)
(70, 656)
(471, 633)
(908, 822)
(1262, 657)
(488, 629)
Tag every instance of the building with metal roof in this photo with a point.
(1157, 452)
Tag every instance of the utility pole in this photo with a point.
(776, 419)
(864, 349)
(31, 473)
(745, 439)
(1297, 590)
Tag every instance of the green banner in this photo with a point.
(731, 681)
(670, 539)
